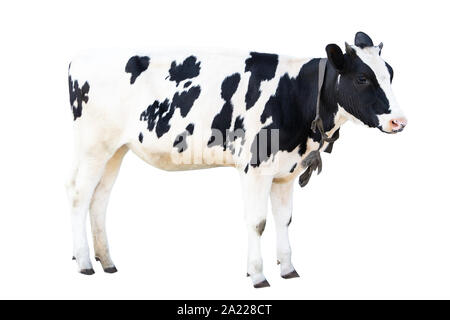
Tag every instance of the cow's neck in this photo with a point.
(293, 107)
(332, 114)
(329, 108)
(305, 103)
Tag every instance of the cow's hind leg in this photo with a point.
(89, 170)
(98, 208)
(256, 190)
(281, 196)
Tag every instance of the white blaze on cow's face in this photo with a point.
(364, 85)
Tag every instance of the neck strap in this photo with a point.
(313, 161)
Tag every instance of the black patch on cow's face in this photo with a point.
(189, 69)
(222, 121)
(141, 137)
(293, 168)
(136, 65)
(185, 100)
(77, 96)
(181, 140)
(262, 67)
(359, 92)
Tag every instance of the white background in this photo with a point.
(375, 224)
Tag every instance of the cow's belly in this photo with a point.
(165, 157)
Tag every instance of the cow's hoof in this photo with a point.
(110, 270)
(262, 284)
(88, 272)
(291, 275)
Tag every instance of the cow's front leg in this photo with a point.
(281, 196)
(256, 189)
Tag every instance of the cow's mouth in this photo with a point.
(393, 131)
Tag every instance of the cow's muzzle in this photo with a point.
(395, 125)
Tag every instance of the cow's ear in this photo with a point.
(362, 40)
(380, 46)
(335, 56)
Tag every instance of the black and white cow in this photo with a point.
(194, 110)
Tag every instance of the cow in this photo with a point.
(256, 112)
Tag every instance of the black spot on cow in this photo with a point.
(229, 86)
(187, 84)
(190, 128)
(158, 116)
(239, 123)
(246, 168)
(238, 132)
(185, 100)
(292, 109)
(77, 96)
(141, 137)
(261, 227)
(189, 69)
(222, 121)
(136, 65)
(262, 67)
(181, 140)
(293, 168)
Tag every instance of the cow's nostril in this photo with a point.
(398, 124)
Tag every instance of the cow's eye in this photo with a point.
(362, 80)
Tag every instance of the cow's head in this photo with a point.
(364, 84)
